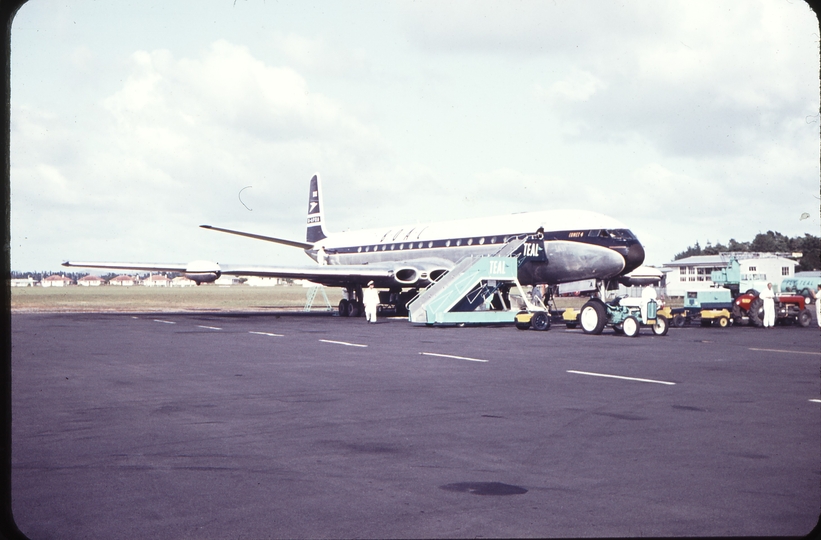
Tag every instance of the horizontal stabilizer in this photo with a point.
(292, 243)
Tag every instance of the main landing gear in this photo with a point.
(352, 306)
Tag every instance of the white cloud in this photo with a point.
(576, 86)
(176, 142)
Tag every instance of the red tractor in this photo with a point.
(789, 309)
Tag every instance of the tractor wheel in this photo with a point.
(679, 320)
(344, 306)
(540, 321)
(804, 318)
(662, 326)
(756, 313)
(706, 322)
(593, 317)
(723, 322)
(522, 326)
(571, 325)
(618, 328)
(630, 326)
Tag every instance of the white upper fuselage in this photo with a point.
(405, 242)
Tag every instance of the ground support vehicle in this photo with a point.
(711, 307)
(626, 315)
(789, 309)
(748, 307)
(478, 291)
(803, 283)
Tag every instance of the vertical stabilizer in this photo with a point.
(316, 231)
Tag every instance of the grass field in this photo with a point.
(136, 299)
(203, 298)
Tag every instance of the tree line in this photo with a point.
(808, 245)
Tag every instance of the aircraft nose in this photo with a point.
(634, 257)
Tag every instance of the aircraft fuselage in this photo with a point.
(578, 245)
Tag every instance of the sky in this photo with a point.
(134, 122)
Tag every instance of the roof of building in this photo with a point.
(723, 258)
(55, 277)
(91, 278)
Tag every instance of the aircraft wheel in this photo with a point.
(723, 322)
(679, 320)
(630, 326)
(344, 306)
(540, 321)
(662, 326)
(593, 317)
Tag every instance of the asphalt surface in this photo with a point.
(264, 426)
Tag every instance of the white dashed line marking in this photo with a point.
(342, 343)
(209, 327)
(266, 334)
(816, 400)
(452, 356)
(619, 377)
(781, 350)
(165, 322)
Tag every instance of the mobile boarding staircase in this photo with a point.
(475, 290)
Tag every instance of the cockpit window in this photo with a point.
(618, 234)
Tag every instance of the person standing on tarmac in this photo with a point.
(816, 296)
(769, 305)
(370, 297)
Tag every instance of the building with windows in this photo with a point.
(694, 273)
(156, 280)
(90, 281)
(123, 281)
(56, 281)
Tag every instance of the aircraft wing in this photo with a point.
(143, 267)
(206, 271)
(336, 275)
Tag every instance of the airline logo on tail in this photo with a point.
(315, 232)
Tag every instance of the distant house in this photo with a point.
(225, 281)
(23, 282)
(156, 280)
(90, 281)
(258, 281)
(56, 281)
(183, 281)
(694, 273)
(123, 281)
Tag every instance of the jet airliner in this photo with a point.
(578, 245)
